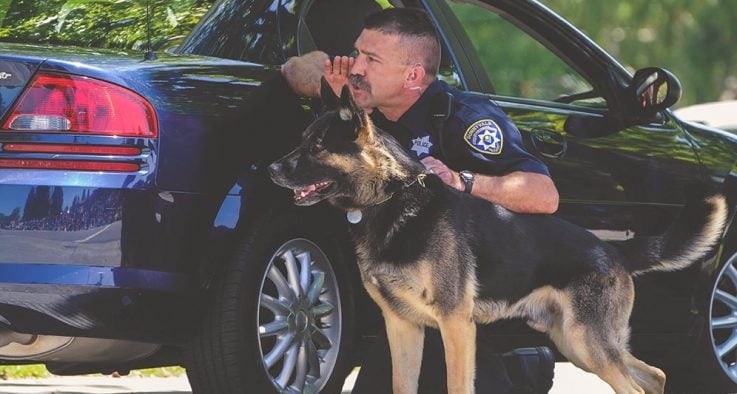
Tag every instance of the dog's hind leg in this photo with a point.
(582, 348)
(592, 329)
(651, 379)
(406, 340)
(459, 341)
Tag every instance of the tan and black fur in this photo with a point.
(432, 256)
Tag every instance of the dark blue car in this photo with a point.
(138, 229)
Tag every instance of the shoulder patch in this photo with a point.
(485, 136)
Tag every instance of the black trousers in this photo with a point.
(375, 376)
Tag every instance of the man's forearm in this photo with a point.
(519, 191)
(523, 192)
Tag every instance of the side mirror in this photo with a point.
(654, 89)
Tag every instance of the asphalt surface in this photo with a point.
(568, 380)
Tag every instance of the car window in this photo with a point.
(243, 30)
(334, 25)
(517, 64)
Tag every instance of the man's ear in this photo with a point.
(327, 96)
(415, 77)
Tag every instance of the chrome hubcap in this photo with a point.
(723, 318)
(299, 318)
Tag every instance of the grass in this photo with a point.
(163, 372)
(23, 371)
(40, 371)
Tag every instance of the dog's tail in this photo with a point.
(698, 227)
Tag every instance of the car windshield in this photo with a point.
(119, 24)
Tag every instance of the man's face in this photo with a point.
(380, 70)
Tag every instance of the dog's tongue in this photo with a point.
(303, 192)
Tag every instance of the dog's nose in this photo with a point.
(275, 169)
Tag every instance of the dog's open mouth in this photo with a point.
(302, 194)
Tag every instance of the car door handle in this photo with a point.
(549, 143)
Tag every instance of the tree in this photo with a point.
(57, 200)
(120, 24)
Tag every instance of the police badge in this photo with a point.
(485, 136)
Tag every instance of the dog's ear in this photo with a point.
(349, 110)
(327, 96)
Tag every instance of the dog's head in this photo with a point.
(343, 158)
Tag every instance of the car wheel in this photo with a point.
(282, 316)
(714, 369)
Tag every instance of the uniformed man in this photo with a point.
(466, 140)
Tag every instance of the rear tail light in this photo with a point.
(73, 165)
(75, 104)
(72, 149)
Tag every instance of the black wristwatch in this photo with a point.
(467, 178)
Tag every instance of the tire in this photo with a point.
(714, 367)
(281, 317)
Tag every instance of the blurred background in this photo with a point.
(693, 38)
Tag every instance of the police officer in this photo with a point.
(466, 140)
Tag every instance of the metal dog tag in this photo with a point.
(354, 216)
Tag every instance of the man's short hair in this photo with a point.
(412, 23)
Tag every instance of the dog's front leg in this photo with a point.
(459, 340)
(406, 340)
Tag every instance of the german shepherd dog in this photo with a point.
(432, 256)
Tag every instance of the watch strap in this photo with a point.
(467, 177)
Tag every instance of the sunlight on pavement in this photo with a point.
(568, 380)
(96, 385)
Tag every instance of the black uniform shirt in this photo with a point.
(477, 136)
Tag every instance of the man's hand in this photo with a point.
(337, 72)
(448, 176)
(303, 73)
(524, 192)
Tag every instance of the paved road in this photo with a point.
(568, 380)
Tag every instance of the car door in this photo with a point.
(617, 179)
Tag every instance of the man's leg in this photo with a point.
(527, 370)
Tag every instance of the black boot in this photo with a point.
(530, 369)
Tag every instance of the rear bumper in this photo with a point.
(104, 302)
(101, 255)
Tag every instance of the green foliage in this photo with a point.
(40, 371)
(518, 65)
(99, 23)
(163, 372)
(692, 38)
(23, 371)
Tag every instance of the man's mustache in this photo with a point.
(357, 81)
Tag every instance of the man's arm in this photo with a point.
(524, 192)
(519, 191)
(303, 73)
